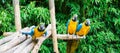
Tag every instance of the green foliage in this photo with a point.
(103, 14)
(32, 15)
(6, 19)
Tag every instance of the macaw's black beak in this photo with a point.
(87, 23)
(74, 18)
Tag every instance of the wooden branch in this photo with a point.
(23, 45)
(28, 48)
(12, 43)
(12, 49)
(68, 37)
(41, 39)
(7, 33)
(53, 22)
(17, 14)
(10, 33)
(8, 38)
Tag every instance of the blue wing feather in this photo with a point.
(79, 27)
(31, 32)
(67, 24)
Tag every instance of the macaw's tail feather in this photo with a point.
(72, 45)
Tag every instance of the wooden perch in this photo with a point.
(8, 38)
(12, 43)
(68, 37)
(13, 49)
(22, 46)
(28, 48)
(53, 23)
(41, 39)
(7, 33)
(10, 33)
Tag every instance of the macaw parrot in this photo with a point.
(72, 25)
(83, 28)
(36, 32)
(71, 29)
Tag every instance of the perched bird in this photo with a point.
(71, 29)
(83, 28)
(72, 25)
(36, 32)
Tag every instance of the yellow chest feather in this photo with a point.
(72, 27)
(37, 33)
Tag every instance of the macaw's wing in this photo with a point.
(32, 27)
(87, 31)
(79, 27)
(31, 32)
(46, 33)
(67, 24)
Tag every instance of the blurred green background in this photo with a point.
(104, 36)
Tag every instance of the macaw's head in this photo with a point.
(74, 18)
(87, 22)
(41, 27)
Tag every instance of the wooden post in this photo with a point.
(17, 14)
(53, 23)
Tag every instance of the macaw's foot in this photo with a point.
(44, 35)
(84, 37)
(76, 37)
(35, 41)
(26, 36)
(73, 36)
(67, 35)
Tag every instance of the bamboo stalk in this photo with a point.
(53, 22)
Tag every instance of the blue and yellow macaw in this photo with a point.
(83, 28)
(71, 29)
(36, 32)
(72, 25)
